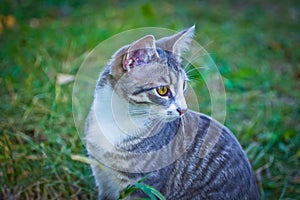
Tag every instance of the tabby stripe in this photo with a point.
(141, 91)
(139, 102)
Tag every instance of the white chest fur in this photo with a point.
(111, 118)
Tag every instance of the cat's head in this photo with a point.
(148, 74)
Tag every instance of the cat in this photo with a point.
(139, 125)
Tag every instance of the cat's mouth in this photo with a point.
(173, 116)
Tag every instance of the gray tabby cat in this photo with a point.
(139, 125)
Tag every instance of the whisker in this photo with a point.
(192, 58)
(195, 57)
(151, 125)
(194, 79)
(138, 110)
(182, 124)
(193, 69)
(138, 114)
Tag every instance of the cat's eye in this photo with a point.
(162, 90)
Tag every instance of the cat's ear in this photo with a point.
(177, 43)
(140, 52)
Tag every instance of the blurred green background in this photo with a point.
(255, 45)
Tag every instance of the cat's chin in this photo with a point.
(170, 119)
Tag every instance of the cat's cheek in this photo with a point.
(168, 115)
(172, 111)
(161, 114)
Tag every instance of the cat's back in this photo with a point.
(214, 166)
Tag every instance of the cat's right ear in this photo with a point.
(138, 53)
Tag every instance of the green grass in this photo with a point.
(255, 46)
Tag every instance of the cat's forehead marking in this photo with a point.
(152, 73)
(178, 83)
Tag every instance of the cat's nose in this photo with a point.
(181, 111)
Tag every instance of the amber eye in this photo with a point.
(162, 90)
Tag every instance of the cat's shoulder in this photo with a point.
(204, 121)
(209, 129)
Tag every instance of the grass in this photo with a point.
(255, 46)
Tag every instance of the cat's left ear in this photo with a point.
(177, 43)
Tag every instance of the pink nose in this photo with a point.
(181, 111)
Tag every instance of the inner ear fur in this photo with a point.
(140, 52)
(177, 43)
(137, 53)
